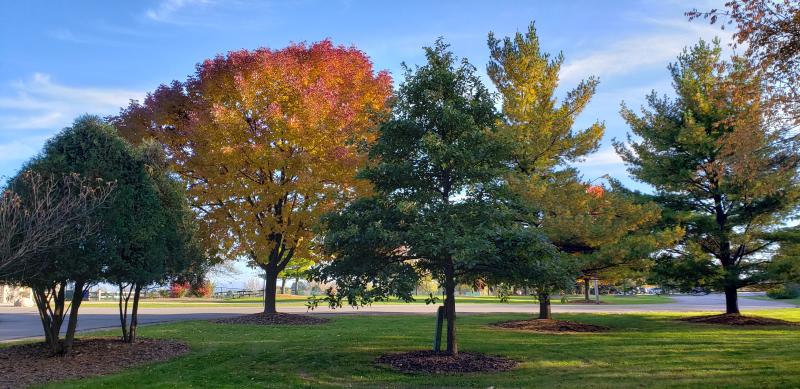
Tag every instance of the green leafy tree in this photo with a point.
(153, 231)
(718, 167)
(91, 149)
(432, 169)
(296, 268)
(527, 258)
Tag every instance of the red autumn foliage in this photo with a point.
(178, 289)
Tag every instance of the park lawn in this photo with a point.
(642, 350)
(289, 300)
(795, 301)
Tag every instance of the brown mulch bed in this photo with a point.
(431, 362)
(549, 325)
(32, 364)
(582, 301)
(738, 320)
(267, 319)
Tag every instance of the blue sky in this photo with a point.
(61, 59)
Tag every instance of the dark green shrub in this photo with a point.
(788, 291)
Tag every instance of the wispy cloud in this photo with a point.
(629, 55)
(602, 158)
(66, 35)
(41, 103)
(21, 149)
(167, 10)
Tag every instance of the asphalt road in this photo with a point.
(17, 323)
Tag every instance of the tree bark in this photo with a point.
(731, 300)
(544, 306)
(52, 316)
(270, 288)
(134, 314)
(42, 301)
(283, 285)
(586, 289)
(123, 312)
(72, 324)
(450, 308)
(296, 286)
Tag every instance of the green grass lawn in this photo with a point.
(300, 300)
(795, 301)
(642, 350)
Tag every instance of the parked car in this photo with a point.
(699, 291)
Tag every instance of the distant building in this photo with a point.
(19, 296)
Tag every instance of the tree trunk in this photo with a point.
(42, 301)
(544, 306)
(123, 312)
(72, 324)
(134, 314)
(52, 316)
(283, 285)
(586, 289)
(270, 288)
(450, 308)
(296, 286)
(731, 300)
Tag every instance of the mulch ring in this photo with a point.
(431, 362)
(584, 301)
(549, 325)
(738, 320)
(267, 319)
(31, 364)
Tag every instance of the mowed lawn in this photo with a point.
(642, 350)
(289, 300)
(795, 301)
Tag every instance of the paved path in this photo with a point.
(16, 323)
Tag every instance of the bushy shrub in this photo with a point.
(788, 291)
(204, 290)
(178, 289)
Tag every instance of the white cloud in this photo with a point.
(41, 103)
(605, 157)
(166, 10)
(632, 54)
(66, 35)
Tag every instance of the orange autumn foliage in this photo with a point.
(267, 141)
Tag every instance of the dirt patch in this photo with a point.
(431, 362)
(738, 320)
(31, 364)
(267, 319)
(546, 325)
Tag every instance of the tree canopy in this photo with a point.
(717, 166)
(266, 142)
(433, 168)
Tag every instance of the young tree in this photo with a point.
(432, 212)
(91, 149)
(155, 238)
(266, 142)
(296, 269)
(528, 259)
(718, 168)
(540, 135)
(39, 214)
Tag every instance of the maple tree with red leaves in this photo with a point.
(267, 141)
